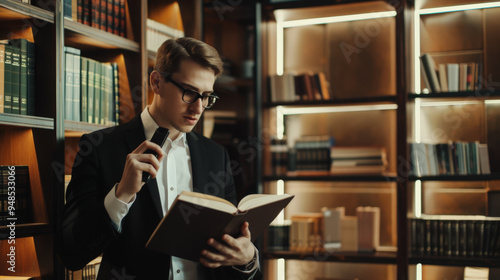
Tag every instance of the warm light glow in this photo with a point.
(334, 19)
(452, 103)
(459, 8)
(416, 123)
(492, 102)
(280, 123)
(281, 25)
(418, 272)
(281, 269)
(336, 109)
(416, 54)
(418, 199)
(280, 219)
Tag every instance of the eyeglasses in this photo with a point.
(190, 96)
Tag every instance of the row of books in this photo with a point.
(88, 272)
(157, 33)
(318, 154)
(455, 236)
(92, 90)
(15, 195)
(329, 230)
(453, 158)
(294, 87)
(17, 77)
(451, 77)
(106, 15)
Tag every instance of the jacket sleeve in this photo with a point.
(86, 228)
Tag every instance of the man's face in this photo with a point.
(169, 110)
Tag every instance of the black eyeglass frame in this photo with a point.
(197, 94)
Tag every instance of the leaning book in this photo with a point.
(194, 217)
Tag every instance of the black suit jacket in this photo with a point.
(87, 231)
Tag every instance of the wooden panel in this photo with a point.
(18, 148)
(362, 58)
(492, 47)
(305, 49)
(26, 263)
(453, 123)
(455, 31)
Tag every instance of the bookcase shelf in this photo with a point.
(348, 257)
(27, 230)
(458, 261)
(15, 10)
(334, 178)
(82, 127)
(348, 101)
(85, 37)
(482, 177)
(26, 121)
(469, 95)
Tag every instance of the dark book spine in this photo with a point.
(90, 90)
(95, 12)
(116, 17)
(122, 18)
(79, 11)
(15, 79)
(86, 16)
(97, 93)
(102, 15)
(8, 80)
(109, 16)
(31, 79)
(22, 44)
(2, 76)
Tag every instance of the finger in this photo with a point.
(148, 159)
(221, 248)
(148, 145)
(245, 230)
(209, 264)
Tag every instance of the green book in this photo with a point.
(116, 93)
(109, 94)
(7, 105)
(104, 95)
(90, 91)
(68, 87)
(97, 92)
(31, 78)
(84, 89)
(76, 86)
(22, 44)
(15, 80)
(2, 76)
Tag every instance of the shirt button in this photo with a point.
(171, 188)
(178, 271)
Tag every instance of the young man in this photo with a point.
(110, 211)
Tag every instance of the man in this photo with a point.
(110, 211)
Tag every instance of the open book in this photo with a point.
(194, 217)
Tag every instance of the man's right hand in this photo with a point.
(136, 163)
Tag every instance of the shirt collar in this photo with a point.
(150, 127)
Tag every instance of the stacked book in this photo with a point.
(17, 77)
(278, 237)
(455, 236)
(451, 77)
(452, 158)
(294, 87)
(106, 15)
(92, 90)
(279, 156)
(15, 195)
(358, 160)
(310, 155)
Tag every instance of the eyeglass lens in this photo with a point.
(190, 96)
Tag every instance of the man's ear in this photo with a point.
(155, 81)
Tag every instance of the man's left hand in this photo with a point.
(232, 251)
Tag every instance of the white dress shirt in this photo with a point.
(173, 177)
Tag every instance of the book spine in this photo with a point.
(116, 94)
(103, 100)
(31, 79)
(76, 87)
(22, 44)
(109, 16)
(91, 89)
(68, 92)
(79, 15)
(102, 15)
(67, 9)
(15, 79)
(84, 89)
(95, 13)
(2, 77)
(97, 93)
(8, 80)
(122, 18)
(116, 17)
(87, 15)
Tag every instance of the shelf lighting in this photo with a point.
(279, 191)
(458, 8)
(281, 269)
(417, 207)
(281, 25)
(336, 109)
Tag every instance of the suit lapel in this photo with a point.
(135, 138)
(198, 158)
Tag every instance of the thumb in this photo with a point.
(245, 230)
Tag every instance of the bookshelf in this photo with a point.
(449, 32)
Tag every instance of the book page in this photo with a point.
(256, 200)
(208, 201)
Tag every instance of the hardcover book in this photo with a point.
(194, 217)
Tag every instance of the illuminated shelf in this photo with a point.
(481, 95)
(456, 261)
(481, 177)
(350, 257)
(334, 178)
(15, 10)
(350, 101)
(26, 121)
